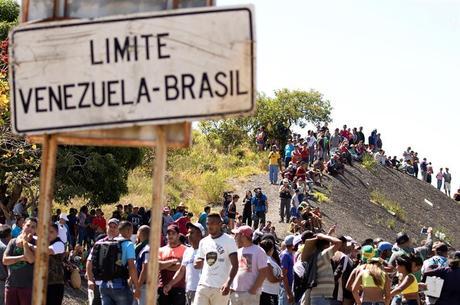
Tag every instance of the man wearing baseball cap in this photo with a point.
(63, 229)
(252, 270)
(94, 296)
(287, 267)
(170, 258)
(192, 276)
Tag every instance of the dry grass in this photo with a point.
(196, 176)
(391, 206)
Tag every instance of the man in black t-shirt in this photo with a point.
(135, 219)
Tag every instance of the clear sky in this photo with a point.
(392, 65)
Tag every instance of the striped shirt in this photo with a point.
(324, 275)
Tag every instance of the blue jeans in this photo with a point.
(122, 296)
(282, 297)
(439, 184)
(81, 235)
(315, 300)
(273, 173)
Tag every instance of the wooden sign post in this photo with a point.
(204, 72)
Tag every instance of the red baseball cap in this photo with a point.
(244, 230)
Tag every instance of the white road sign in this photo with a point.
(132, 70)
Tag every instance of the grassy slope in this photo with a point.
(196, 176)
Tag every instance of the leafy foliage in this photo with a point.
(98, 174)
(278, 114)
(93, 173)
(9, 12)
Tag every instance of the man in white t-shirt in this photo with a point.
(192, 276)
(252, 269)
(63, 233)
(217, 257)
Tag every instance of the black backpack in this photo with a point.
(106, 259)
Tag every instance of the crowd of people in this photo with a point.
(305, 160)
(227, 257)
(223, 259)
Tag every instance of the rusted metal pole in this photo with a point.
(159, 168)
(47, 173)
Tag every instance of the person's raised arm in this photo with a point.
(336, 243)
(29, 255)
(426, 248)
(9, 259)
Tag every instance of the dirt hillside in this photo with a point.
(374, 203)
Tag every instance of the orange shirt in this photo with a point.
(166, 253)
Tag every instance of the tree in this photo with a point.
(98, 174)
(278, 114)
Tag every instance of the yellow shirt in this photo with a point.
(273, 158)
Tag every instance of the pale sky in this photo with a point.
(392, 65)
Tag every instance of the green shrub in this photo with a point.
(320, 197)
(369, 162)
(9, 10)
(391, 206)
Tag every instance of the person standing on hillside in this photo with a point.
(311, 141)
(285, 200)
(217, 257)
(203, 218)
(447, 179)
(424, 169)
(288, 150)
(335, 141)
(439, 177)
(361, 136)
(260, 207)
(415, 162)
(247, 209)
(429, 172)
(273, 167)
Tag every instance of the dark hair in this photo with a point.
(405, 261)
(207, 208)
(55, 227)
(267, 245)
(215, 216)
(32, 219)
(124, 225)
(5, 231)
